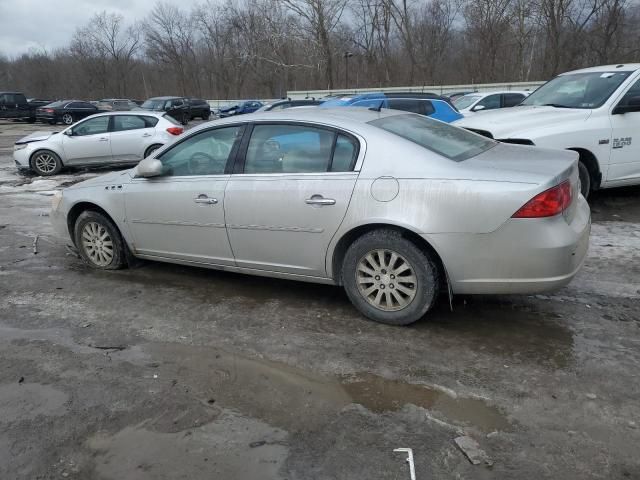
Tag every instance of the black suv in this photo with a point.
(177, 107)
(200, 108)
(15, 105)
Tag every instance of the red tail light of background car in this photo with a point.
(175, 130)
(548, 203)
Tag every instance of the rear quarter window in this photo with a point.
(451, 142)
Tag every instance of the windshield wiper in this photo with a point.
(556, 105)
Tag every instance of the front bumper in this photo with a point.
(524, 256)
(21, 158)
(58, 218)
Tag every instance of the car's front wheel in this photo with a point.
(67, 119)
(389, 279)
(46, 163)
(99, 241)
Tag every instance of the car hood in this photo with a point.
(517, 122)
(228, 109)
(111, 178)
(36, 137)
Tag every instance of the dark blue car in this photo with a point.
(248, 106)
(433, 106)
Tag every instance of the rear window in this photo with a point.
(171, 119)
(451, 142)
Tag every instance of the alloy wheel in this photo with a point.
(386, 280)
(97, 244)
(67, 118)
(45, 163)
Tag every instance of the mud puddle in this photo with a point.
(295, 399)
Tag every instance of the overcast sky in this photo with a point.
(26, 24)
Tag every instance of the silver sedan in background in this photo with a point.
(102, 139)
(395, 207)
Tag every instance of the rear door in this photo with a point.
(130, 136)
(6, 105)
(289, 195)
(624, 166)
(511, 99)
(89, 142)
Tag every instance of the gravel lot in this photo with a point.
(166, 372)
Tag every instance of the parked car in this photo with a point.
(241, 108)
(593, 111)
(117, 104)
(430, 107)
(14, 105)
(200, 109)
(482, 101)
(395, 207)
(65, 111)
(288, 103)
(102, 139)
(455, 95)
(37, 102)
(178, 107)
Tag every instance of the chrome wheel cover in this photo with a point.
(97, 244)
(386, 280)
(45, 162)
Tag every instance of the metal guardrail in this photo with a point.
(439, 89)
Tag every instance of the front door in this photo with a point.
(624, 164)
(289, 198)
(180, 214)
(130, 136)
(88, 143)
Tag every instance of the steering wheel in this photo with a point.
(201, 163)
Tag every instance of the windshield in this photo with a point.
(466, 101)
(451, 142)
(153, 105)
(577, 90)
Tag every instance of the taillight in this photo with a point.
(548, 203)
(175, 130)
(48, 110)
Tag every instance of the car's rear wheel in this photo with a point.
(99, 241)
(46, 163)
(206, 116)
(151, 149)
(585, 179)
(67, 119)
(389, 279)
(185, 119)
(51, 122)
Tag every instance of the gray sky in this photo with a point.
(50, 24)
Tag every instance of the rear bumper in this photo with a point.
(524, 256)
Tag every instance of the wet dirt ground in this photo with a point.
(167, 372)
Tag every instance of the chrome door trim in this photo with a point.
(178, 223)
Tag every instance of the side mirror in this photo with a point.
(477, 108)
(633, 105)
(149, 167)
(69, 132)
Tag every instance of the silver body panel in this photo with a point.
(261, 223)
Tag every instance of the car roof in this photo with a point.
(146, 113)
(163, 98)
(623, 67)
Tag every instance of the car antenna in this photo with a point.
(378, 108)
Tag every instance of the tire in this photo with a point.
(206, 116)
(420, 294)
(67, 119)
(51, 122)
(151, 149)
(185, 119)
(31, 120)
(45, 163)
(99, 241)
(585, 179)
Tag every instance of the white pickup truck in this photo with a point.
(594, 111)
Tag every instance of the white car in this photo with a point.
(102, 139)
(482, 101)
(594, 112)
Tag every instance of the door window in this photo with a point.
(512, 99)
(489, 103)
(634, 91)
(411, 105)
(288, 149)
(344, 155)
(94, 126)
(122, 123)
(205, 153)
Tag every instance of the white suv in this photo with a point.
(594, 111)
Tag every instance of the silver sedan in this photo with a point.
(395, 207)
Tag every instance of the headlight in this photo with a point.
(19, 146)
(56, 200)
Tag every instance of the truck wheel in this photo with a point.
(46, 163)
(585, 179)
(389, 279)
(206, 116)
(99, 241)
(67, 119)
(32, 120)
(51, 122)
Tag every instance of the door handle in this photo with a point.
(146, 135)
(319, 200)
(206, 200)
(103, 139)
